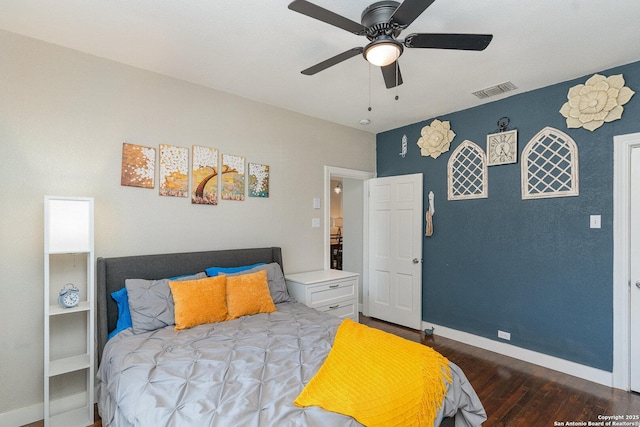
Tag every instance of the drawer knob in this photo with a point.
(334, 286)
(334, 306)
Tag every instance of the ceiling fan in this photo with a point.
(382, 23)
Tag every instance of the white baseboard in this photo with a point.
(33, 413)
(22, 416)
(551, 362)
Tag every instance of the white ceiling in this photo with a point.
(256, 49)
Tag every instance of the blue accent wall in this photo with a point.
(533, 268)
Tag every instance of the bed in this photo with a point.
(247, 371)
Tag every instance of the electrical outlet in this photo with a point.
(504, 335)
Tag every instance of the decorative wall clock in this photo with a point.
(502, 148)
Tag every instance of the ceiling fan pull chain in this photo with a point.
(397, 78)
(369, 109)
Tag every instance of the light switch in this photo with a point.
(315, 222)
(316, 203)
(594, 221)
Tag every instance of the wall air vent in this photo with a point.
(495, 90)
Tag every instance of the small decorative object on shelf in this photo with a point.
(69, 296)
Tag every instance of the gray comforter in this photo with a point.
(245, 372)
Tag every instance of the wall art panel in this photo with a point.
(258, 180)
(138, 166)
(204, 175)
(174, 171)
(232, 177)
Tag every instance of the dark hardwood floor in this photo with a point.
(516, 393)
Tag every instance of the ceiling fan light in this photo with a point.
(383, 53)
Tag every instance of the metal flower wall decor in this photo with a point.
(599, 100)
(436, 138)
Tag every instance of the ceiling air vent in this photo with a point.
(495, 90)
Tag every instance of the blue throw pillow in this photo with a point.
(124, 315)
(214, 271)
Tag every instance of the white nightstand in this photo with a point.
(332, 291)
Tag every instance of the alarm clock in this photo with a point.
(69, 296)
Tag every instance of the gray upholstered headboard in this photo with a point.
(112, 272)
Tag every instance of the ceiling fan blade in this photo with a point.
(332, 61)
(408, 11)
(389, 74)
(324, 15)
(448, 41)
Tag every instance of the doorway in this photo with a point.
(626, 327)
(336, 224)
(354, 221)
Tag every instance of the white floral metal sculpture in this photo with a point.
(436, 138)
(599, 100)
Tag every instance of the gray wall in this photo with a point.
(63, 118)
(533, 268)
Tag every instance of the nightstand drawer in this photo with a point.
(329, 293)
(342, 309)
(334, 292)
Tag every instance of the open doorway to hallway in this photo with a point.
(336, 224)
(354, 220)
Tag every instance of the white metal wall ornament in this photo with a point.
(435, 138)
(403, 151)
(599, 100)
(467, 176)
(549, 166)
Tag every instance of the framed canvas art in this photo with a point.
(204, 175)
(232, 186)
(174, 171)
(138, 166)
(258, 180)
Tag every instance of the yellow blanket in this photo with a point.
(379, 379)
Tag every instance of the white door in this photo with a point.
(395, 249)
(634, 263)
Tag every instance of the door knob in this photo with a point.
(638, 284)
(416, 260)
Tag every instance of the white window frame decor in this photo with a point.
(467, 176)
(550, 166)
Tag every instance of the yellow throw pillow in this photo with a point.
(249, 294)
(199, 301)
